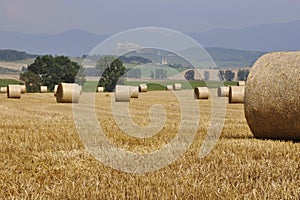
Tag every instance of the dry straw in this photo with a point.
(236, 94)
(68, 93)
(100, 89)
(272, 96)
(134, 90)
(123, 93)
(169, 87)
(43, 89)
(3, 89)
(143, 88)
(201, 93)
(241, 83)
(177, 86)
(55, 90)
(13, 91)
(223, 91)
(23, 89)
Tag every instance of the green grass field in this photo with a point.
(5, 82)
(90, 86)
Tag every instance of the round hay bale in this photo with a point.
(23, 89)
(55, 90)
(43, 89)
(3, 89)
(100, 89)
(241, 83)
(123, 93)
(169, 87)
(201, 93)
(223, 91)
(68, 93)
(143, 88)
(177, 86)
(272, 96)
(134, 91)
(13, 91)
(236, 94)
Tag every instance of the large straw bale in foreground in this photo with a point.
(68, 93)
(201, 93)
(13, 91)
(122, 93)
(223, 91)
(236, 94)
(272, 96)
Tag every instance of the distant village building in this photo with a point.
(164, 61)
(127, 46)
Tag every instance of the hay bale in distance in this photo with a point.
(177, 86)
(43, 89)
(13, 91)
(241, 83)
(223, 91)
(272, 96)
(23, 89)
(100, 89)
(236, 94)
(143, 88)
(55, 90)
(201, 93)
(68, 93)
(3, 89)
(134, 90)
(122, 93)
(169, 87)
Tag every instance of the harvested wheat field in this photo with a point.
(42, 156)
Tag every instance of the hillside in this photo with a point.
(13, 55)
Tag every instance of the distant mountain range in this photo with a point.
(268, 37)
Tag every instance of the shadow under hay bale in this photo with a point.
(14, 91)
(236, 94)
(177, 86)
(134, 90)
(272, 96)
(43, 89)
(223, 91)
(122, 93)
(201, 93)
(143, 88)
(68, 93)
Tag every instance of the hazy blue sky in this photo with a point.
(113, 16)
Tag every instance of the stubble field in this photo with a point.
(42, 156)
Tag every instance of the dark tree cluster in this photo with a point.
(49, 70)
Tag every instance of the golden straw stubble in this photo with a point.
(272, 96)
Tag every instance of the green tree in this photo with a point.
(152, 75)
(221, 75)
(229, 75)
(206, 75)
(189, 75)
(161, 74)
(32, 81)
(51, 71)
(111, 70)
(243, 74)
